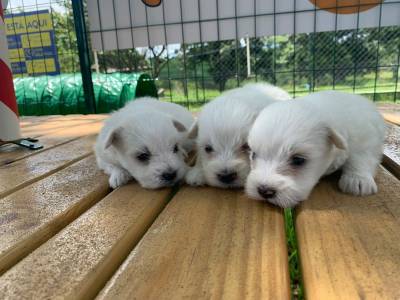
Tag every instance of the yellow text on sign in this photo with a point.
(20, 75)
(41, 65)
(29, 23)
(17, 55)
(32, 40)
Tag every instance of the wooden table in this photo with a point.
(65, 234)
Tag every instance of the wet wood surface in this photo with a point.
(350, 246)
(208, 244)
(65, 234)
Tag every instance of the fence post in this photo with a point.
(84, 54)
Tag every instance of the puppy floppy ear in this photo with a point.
(113, 137)
(336, 139)
(193, 131)
(179, 126)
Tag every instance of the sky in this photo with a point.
(29, 5)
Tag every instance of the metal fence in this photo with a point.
(360, 60)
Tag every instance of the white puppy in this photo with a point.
(146, 140)
(222, 129)
(296, 142)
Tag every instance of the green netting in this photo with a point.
(63, 94)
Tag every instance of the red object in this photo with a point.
(7, 95)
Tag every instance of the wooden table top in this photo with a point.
(65, 234)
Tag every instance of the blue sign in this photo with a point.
(31, 40)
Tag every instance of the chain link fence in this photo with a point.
(362, 60)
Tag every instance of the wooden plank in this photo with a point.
(23, 172)
(391, 165)
(208, 244)
(350, 246)
(11, 153)
(35, 213)
(393, 118)
(50, 127)
(391, 157)
(26, 122)
(77, 262)
(392, 147)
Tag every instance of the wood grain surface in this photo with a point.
(45, 128)
(33, 214)
(208, 244)
(11, 153)
(16, 175)
(77, 262)
(350, 246)
(393, 118)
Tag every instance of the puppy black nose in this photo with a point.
(266, 192)
(227, 177)
(168, 176)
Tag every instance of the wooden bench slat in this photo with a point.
(23, 172)
(33, 214)
(26, 121)
(31, 120)
(46, 128)
(350, 246)
(11, 153)
(393, 118)
(77, 262)
(391, 158)
(208, 243)
(54, 124)
(391, 165)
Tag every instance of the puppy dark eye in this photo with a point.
(143, 157)
(253, 155)
(176, 149)
(297, 161)
(245, 147)
(208, 149)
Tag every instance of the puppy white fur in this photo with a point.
(296, 142)
(222, 129)
(145, 140)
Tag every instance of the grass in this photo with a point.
(196, 96)
(294, 264)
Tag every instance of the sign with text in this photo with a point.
(126, 24)
(31, 43)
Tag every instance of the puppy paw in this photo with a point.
(195, 177)
(118, 177)
(357, 185)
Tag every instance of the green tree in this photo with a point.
(65, 39)
(224, 60)
(126, 60)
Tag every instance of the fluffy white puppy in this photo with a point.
(222, 129)
(296, 142)
(145, 140)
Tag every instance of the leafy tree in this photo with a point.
(65, 39)
(224, 60)
(127, 60)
